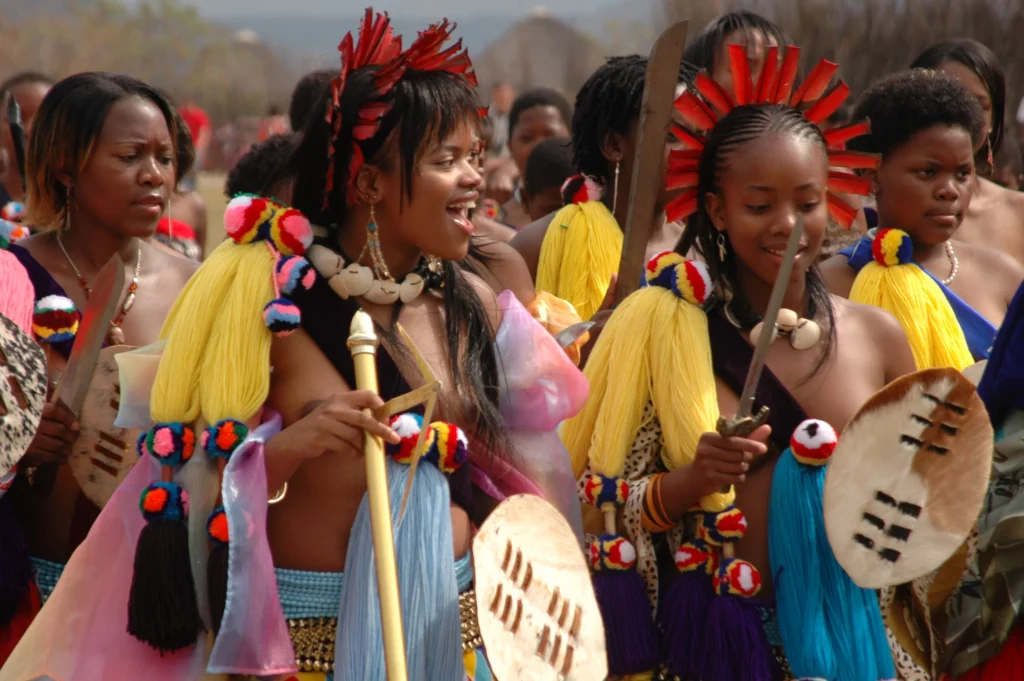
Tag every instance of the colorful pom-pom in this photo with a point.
(813, 442)
(658, 268)
(892, 247)
(408, 427)
(11, 232)
(448, 448)
(254, 218)
(282, 316)
(55, 319)
(164, 501)
(696, 555)
(222, 438)
(12, 211)
(217, 526)
(612, 552)
(600, 490)
(736, 577)
(172, 444)
(140, 445)
(723, 528)
(581, 189)
(293, 273)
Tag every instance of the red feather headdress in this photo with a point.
(377, 46)
(708, 102)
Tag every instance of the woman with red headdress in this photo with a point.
(254, 519)
(709, 552)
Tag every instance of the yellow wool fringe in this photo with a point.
(919, 305)
(579, 255)
(655, 348)
(217, 359)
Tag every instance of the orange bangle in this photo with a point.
(651, 518)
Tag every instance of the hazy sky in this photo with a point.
(395, 7)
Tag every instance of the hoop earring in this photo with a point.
(721, 247)
(615, 190)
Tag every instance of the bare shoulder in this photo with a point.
(488, 298)
(1004, 271)
(503, 268)
(838, 275)
(175, 267)
(882, 332)
(38, 246)
(492, 229)
(529, 240)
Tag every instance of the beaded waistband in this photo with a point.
(310, 602)
(47, 575)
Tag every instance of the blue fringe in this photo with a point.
(830, 627)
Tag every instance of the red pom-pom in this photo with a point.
(813, 442)
(612, 552)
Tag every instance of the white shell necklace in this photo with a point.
(358, 281)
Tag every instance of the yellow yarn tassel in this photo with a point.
(654, 348)
(917, 302)
(218, 349)
(579, 255)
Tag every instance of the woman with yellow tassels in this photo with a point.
(709, 553)
(574, 253)
(950, 297)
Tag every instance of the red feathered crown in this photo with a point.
(377, 46)
(708, 102)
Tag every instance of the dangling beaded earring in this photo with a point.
(721, 247)
(67, 208)
(384, 289)
(615, 190)
(991, 160)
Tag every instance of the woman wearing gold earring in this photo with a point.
(577, 262)
(101, 164)
(995, 218)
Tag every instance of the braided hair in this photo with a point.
(742, 125)
(609, 102)
(426, 106)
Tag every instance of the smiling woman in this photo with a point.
(101, 163)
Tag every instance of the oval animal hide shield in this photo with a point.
(22, 392)
(907, 480)
(538, 615)
(103, 454)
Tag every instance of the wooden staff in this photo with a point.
(363, 343)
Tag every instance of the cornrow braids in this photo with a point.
(609, 102)
(742, 125)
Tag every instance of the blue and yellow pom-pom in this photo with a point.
(813, 442)
(892, 247)
(448, 448)
(688, 279)
(293, 273)
(172, 444)
(696, 555)
(408, 427)
(222, 438)
(250, 218)
(599, 490)
(612, 552)
(217, 526)
(726, 527)
(164, 501)
(282, 317)
(736, 577)
(55, 319)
